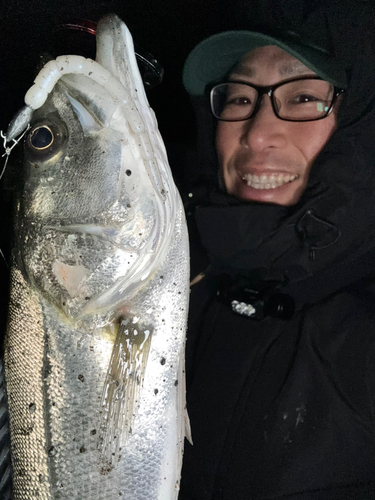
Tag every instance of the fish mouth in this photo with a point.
(268, 181)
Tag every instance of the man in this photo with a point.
(280, 349)
(268, 159)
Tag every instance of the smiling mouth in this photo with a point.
(268, 181)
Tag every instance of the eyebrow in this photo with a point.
(242, 69)
(290, 68)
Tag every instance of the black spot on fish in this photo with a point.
(47, 370)
(93, 432)
(128, 205)
(32, 407)
(82, 449)
(156, 391)
(106, 469)
(162, 361)
(52, 452)
(128, 172)
(81, 377)
(26, 431)
(176, 383)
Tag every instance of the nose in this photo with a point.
(265, 130)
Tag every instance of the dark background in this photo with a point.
(166, 28)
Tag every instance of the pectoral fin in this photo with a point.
(122, 388)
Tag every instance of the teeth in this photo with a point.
(268, 181)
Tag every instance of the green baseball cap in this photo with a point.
(212, 59)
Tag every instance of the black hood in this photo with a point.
(327, 240)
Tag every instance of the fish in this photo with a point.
(99, 288)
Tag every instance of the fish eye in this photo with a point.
(41, 138)
(47, 139)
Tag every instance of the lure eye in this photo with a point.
(41, 138)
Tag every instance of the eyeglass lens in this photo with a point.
(306, 99)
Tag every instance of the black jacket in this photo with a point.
(282, 408)
(285, 408)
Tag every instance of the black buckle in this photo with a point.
(255, 302)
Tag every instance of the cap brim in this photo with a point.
(211, 60)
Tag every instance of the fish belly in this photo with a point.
(56, 372)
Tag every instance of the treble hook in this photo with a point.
(8, 149)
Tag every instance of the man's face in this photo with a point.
(264, 151)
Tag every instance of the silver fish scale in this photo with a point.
(6, 471)
(24, 356)
(66, 368)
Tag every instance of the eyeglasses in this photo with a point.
(298, 100)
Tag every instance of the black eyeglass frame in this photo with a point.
(269, 90)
